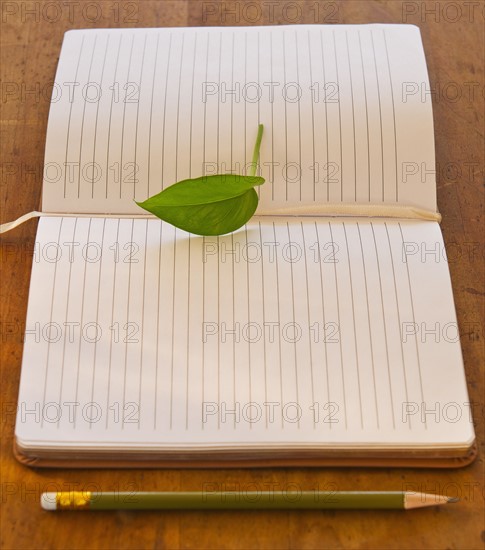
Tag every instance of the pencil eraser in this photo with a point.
(48, 501)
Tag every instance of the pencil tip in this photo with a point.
(453, 499)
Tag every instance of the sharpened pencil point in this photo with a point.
(453, 499)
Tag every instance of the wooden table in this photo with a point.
(453, 34)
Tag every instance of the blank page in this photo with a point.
(346, 114)
(281, 335)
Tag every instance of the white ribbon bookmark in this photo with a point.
(333, 210)
(11, 225)
(4, 227)
(356, 210)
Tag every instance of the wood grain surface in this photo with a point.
(453, 34)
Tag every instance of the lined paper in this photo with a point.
(136, 110)
(310, 333)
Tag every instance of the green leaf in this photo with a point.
(210, 205)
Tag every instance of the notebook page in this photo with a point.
(309, 334)
(136, 110)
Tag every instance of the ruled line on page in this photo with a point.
(203, 340)
(66, 316)
(125, 366)
(314, 168)
(263, 301)
(342, 374)
(218, 338)
(403, 363)
(187, 371)
(353, 114)
(93, 378)
(172, 328)
(46, 374)
(327, 160)
(356, 348)
(169, 54)
(299, 113)
(384, 325)
(192, 105)
(70, 116)
(366, 115)
(155, 128)
(272, 117)
(294, 323)
(414, 324)
(279, 322)
(380, 112)
(286, 115)
(249, 320)
(140, 88)
(232, 104)
(157, 344)
(326, 375)
(259, 84)
(122, 164)
(218, 118)
(111, 115)
(78, 366)
(307, 295)
(245, 103)
(97, 113)
(341, 167)
(393, 110)
(369, 325)
(204, 146)
(178, 108)
(113, 300)
(233, 320)
(142, 331)
(149, 163)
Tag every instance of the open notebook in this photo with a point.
(323, 332)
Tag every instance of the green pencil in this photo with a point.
(257, 500)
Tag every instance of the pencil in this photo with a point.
(257, 500)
